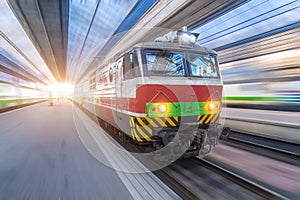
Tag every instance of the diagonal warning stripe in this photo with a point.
(151, 122)
(208, 119)
(203, 118)
(143, 134)
(170, 121)
(160, 122)
(140, 121)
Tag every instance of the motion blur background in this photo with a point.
(257, 43)
(47, 47)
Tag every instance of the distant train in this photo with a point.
(260, 67)
(258, 57)
(155, 90)
(263, 76)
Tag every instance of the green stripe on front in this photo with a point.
(178, 109)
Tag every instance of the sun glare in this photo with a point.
(61, 90)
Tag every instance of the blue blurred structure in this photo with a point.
(258, 46)
(92, 26)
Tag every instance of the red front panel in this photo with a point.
(151, 93)
(172, 93)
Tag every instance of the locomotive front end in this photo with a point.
(180, 95)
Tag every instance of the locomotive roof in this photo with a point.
(175, 46)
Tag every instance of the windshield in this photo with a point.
(203, 65)
(161, 62)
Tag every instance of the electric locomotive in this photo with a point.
(156, 90)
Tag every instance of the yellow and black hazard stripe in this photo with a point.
(208, 118)
(142, 127)
(158, 122)
(139, 131)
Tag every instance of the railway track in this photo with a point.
(191, 178)
(240, 180)
(186, 185)
(266, 142)
(271, 147)
(207, 180)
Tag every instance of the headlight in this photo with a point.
(193, 39)
(162, 108)
(187, 39)
(212, 106)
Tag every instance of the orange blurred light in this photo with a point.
(212, 106)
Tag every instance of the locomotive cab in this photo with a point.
(175, 89)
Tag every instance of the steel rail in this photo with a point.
(244, 182)
(263, 142)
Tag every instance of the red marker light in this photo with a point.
(153, 108)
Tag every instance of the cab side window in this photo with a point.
(130, 66)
